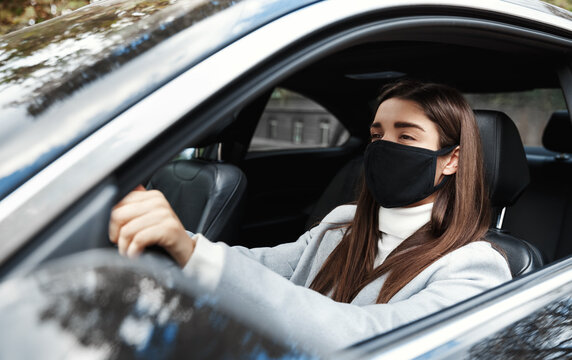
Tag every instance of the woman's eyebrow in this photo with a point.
(404, 124)
(375, 125)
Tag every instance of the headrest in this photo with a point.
(558, 133)
(506, 169)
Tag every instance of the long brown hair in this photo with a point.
(460, 215)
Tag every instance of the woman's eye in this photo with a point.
(406, 137)
(374, 137)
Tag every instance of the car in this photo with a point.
(273, 99)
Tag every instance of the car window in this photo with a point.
(530, 110)
(292, 121)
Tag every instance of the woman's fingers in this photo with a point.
(138, 194)
(181, 250)
(135, 225)
(146, 237)
(144, 218)
(130, 209)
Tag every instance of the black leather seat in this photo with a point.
(344, 188)
(207, 196)
(557, 135)
(543, 214)
(507, 176)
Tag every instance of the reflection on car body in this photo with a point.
(97, 305)
(94, 102)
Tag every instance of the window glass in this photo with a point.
(292, 121)
(530, 110)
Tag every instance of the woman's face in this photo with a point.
(404, 122)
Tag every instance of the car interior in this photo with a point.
(272, 197)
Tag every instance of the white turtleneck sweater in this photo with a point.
(396, 225)
(273, 282)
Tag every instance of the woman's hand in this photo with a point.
(145, 218)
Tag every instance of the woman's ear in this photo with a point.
(451, 162)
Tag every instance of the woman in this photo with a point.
(413, 244)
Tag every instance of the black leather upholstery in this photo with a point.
(507, 175)
(506, 168)
(557, 134)
(206, 196)
(343, 189)
(522, 256)
(543, 214)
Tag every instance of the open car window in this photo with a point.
(292, 121)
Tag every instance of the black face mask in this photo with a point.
(400, 175)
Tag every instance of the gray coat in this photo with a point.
(272, 283)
